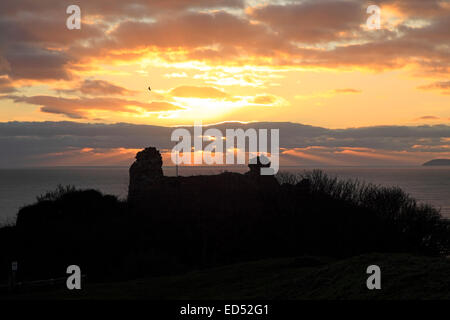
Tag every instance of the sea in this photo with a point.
(20, 187)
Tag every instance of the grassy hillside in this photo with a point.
(403, 277)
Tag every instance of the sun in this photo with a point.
(208, 109)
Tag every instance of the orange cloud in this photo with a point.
(307, 154)
(264, 99)
(309, 34)
(328, 94)
(231, 45)
(347, 90)
(443, 86)
(372, 153)
(90, 157)
(417, 8)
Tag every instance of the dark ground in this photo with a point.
(403, 277)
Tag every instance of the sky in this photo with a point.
(315, 63)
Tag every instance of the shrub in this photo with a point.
(56, 194)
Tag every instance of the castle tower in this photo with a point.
(144, 173)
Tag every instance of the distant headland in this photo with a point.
(437, 162)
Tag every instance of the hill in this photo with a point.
(437, 162)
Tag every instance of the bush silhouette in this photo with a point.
(56, 194)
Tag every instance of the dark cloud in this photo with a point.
(347, 90)
(427, 118)
(6, 86)
(313, 21)
(43, 30)
(27, 140)
(192, 30)
(78, 108)
(130, 9)
(380, 55)
(99, 88)
(31, 62)
(4, 64)
(436, 32)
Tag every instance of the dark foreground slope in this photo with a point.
(403, 277)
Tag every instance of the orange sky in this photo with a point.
(310, 62)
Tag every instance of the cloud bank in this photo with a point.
(71, 143)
